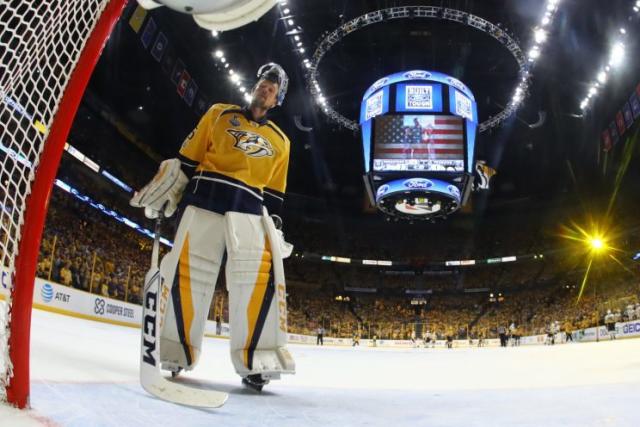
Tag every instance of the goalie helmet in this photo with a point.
(276, 74)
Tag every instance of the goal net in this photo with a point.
(47, 52)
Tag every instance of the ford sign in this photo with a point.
(419, 183)
(417, 74)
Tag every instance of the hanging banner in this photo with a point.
(168, 61)
(620, 123)
(137, 18)
(177, 71)
(183, 83)
(190, 94)
(159, 47)
(149, 33)
(628, 115)
(607, 143)
(634, 101)
(614, 132)
(202, 105)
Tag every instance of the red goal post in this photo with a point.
(48, 50)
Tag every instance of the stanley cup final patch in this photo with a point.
(251, 144)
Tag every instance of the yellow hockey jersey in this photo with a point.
(234, 162)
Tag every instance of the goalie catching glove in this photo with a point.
(163, 192)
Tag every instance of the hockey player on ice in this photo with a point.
(610, 322)
(232, 169)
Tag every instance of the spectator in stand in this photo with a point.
(65, 274)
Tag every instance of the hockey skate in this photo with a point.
(255, 382)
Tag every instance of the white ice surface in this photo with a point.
(85, 373)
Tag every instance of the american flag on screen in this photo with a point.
(419, 137)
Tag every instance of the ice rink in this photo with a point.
(84, 373)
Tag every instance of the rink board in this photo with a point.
(53, 297)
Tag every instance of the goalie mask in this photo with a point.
(276, 74)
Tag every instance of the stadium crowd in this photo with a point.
(90, 251)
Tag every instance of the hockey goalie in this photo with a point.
(227, 184)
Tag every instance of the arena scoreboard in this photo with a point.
(418, 137)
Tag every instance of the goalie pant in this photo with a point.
(257, 304)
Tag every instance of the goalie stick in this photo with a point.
(150, 377)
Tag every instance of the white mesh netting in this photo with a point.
(40, 43)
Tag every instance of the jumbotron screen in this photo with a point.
(418, 143)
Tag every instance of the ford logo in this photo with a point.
(454, 190)
(383, 189)
(457, 83)
(418, 183)
(47, 292)
(380, 83)
(417, 74)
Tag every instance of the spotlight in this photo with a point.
(534, 53)
(617, 54)
(596, 244)
(602, 77)
(540, 35)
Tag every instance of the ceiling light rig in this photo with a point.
(223, 63)
(293, 30)
(525, 62)
(616, 57)
(540, 37)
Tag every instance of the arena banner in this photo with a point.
(54, 297)
(51, 296)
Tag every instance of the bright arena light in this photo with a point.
(596, 244)
(602, 77)
(540, 35)
(617, 55)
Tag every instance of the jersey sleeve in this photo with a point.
(196, 144)
(276, 187)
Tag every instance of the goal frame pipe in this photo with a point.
(37, 203)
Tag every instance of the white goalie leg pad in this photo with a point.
(257, 304)
(189, 273)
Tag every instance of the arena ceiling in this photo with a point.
(551, 160)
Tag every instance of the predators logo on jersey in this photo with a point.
(251, 144)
